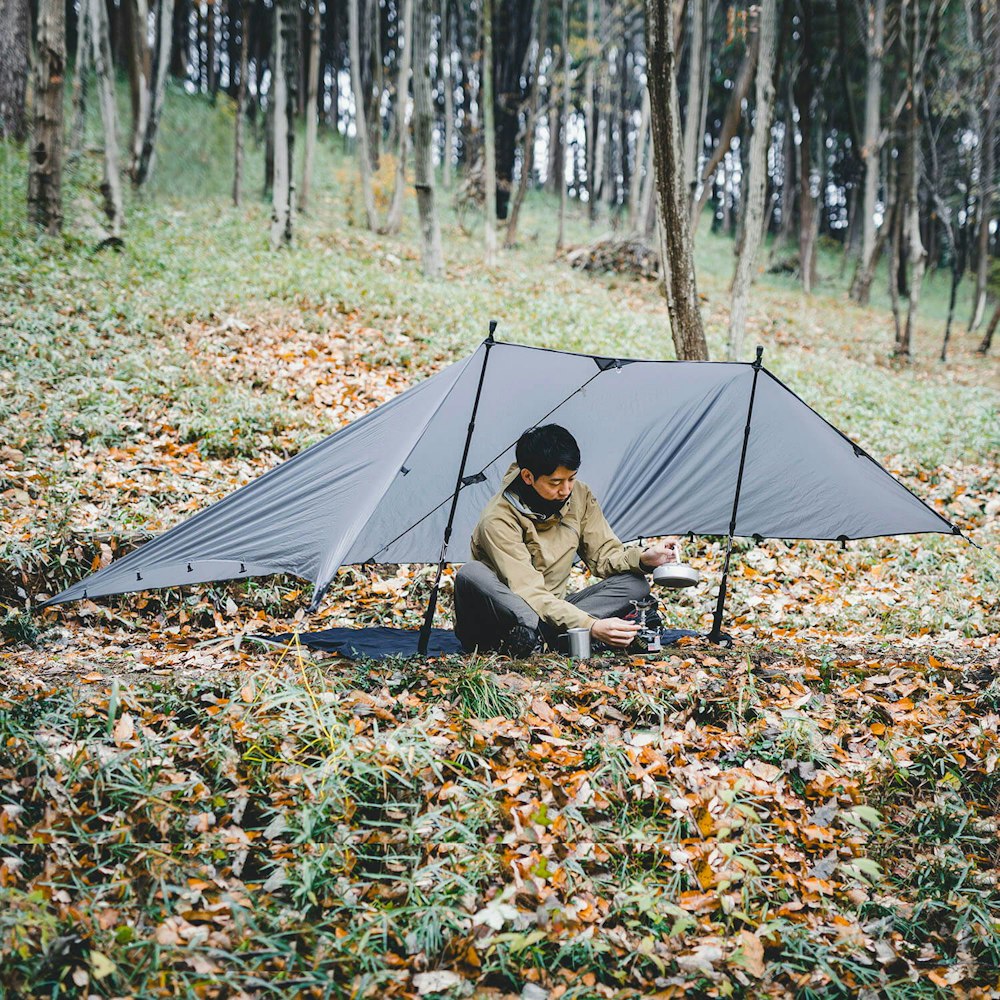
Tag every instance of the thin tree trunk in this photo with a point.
(210, 46)
(241, 102)
(730, 122)
(589, 108)
(374, 108)
(269, 147)
(139, 71)
(312, 108)
(161, 62)
(912, 172)
(957, 267)
(990, 329)
(530, 126)
(555, 140)
(757, 183)
(639, 175)
(286, 37)
(895, 220)
(692, 114)
(807, 203)
(444, 55)
(489, 139)
(111, 187)
(676, 254)
(622, 173)
(985, 22)
(874, 50)
(564, 126)
(423, 129)
(81, 71)
(45, 162)
(360, 124)
(395, 219)
(15, 44)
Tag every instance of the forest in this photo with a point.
(232, 229)
(870, 125)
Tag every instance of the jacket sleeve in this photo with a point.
(503, 547)
(600, 548)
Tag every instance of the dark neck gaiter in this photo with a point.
(531, 499)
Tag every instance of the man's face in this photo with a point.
(557, 485)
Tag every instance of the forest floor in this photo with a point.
(812, 813)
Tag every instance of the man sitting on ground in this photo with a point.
(512, 595)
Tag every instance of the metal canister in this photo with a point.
(579, 643)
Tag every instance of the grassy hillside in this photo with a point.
(196, 338)
(184, 813)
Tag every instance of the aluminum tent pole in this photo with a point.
(716, 635)
(425, 629)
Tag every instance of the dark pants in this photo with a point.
(486, 609)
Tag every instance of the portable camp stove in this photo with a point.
(646, 636)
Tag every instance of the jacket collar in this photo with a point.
(511, 496)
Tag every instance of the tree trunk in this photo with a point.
(405, 57)
(894, 218)
(81, 71)
(874, 50)
(804, 103)
(15, 43)
(360, 124)
(692, 115)
(639, 175)
(139, 72)
(286, 39)
(444, 56)
(988, 336)
(241, 102)
(161, 63)
(45, 163)
(910, 188)
(489, 139)
(530, 126)
(757, 183)
(312, 105)
(730, 122)
(984, 19)
(555, 140)
(423, 135)
(111, 188)
(210, 46)
(373, 94)
(589, 106)
(564, 125)
(675, 238)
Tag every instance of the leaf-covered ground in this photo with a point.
(712, 825)
(811, 814)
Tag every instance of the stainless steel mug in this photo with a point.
(579, 643)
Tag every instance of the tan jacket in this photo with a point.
(533, 555)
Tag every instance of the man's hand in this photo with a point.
(614, 631)
(659, 555)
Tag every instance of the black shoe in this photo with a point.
(520, 642)
(723, 639)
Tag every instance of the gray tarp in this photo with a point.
(661, 444)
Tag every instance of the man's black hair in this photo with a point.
(542, 450)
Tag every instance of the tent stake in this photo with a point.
(716, 634)
(425, 629)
